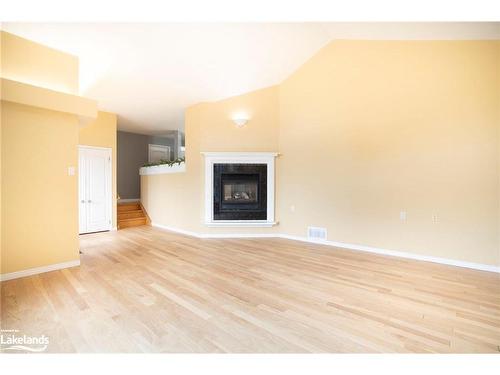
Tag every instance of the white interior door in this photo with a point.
(95, 199)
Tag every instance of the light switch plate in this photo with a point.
(71, 171)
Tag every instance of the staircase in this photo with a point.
(131, 215)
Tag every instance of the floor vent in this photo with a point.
(316, 233)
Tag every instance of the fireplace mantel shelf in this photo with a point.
(162, 169)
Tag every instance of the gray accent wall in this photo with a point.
(132, 154)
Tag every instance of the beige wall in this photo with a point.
(176, 200)
(39, 198)
(366, 129)
(1, 184)
(0, 161)
(39, 212)
(23, 93)
(102, 133)
(384, 127)
(29, 62)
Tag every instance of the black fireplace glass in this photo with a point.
(239, 191)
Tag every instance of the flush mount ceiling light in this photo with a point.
(240, 122)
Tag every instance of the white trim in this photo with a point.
(212, 158)
(226, 155)
(241, 223)
(95, 147)
(396, 253)
(369, 249)
(161, 169)
(215, 235)
(239, 235)
(177, 230)
(38, 270)
(129, 200)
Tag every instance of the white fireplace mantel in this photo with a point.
(212, 158)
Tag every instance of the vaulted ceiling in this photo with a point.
(149, 73)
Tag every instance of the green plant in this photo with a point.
(170, 163)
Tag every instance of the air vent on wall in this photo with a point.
(316, 233)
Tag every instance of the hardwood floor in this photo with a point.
(146, 290)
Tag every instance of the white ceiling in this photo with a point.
(149, 73)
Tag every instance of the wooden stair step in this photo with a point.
(132, 222)
(128, 206)
(130, 214)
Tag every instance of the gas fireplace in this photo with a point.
(240, 191)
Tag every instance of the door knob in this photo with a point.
(82, 201)
(89, 201)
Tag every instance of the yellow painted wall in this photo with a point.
(366, 129)
(0, 161)
(176, 200)
(369, 129)
(39, 198)
(102, 133)
(29, 62)
(22, 93)
(218, 132)
(1, 184)
(39, 213)
(498, 149)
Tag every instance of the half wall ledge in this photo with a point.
(162, 169)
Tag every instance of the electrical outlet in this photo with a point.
(402, 215)
(434, 218)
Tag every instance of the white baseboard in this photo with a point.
(177, 230)
(400, 254)
(215, 235)
(37, 270)
(370, 249)
(129, 200)
(240, 235)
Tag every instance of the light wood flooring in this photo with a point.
(142, 289)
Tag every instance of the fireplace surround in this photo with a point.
(239, 189)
